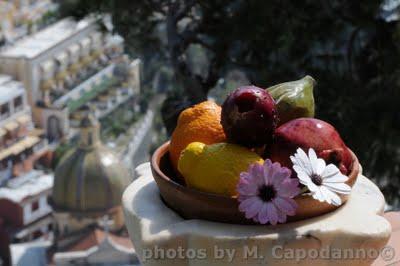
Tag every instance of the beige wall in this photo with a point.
(67, 223)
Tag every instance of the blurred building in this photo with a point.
(5, 253)
(30, 217)
(89, 182)
(88, 186)
(98, 247)
(21, 144)
(21, 17)
(86, 226)
(23, 189)
(33, 253)
(68, 65)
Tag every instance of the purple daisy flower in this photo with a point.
(266, 193)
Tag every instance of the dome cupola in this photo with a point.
(90, 179)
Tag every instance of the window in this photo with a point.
(29, 151)
(4, 109)
(18, 102)
(90, 138)
(16, 159)
(4, 163)
(38, 233)
(35, 206)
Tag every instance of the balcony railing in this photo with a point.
(88, 72)
(88, 89)
(19, 108)
(104, 85)
(4, 116)
(18, 181)
(40, 146)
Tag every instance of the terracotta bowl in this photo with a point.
(194, 204)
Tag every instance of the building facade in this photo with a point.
(21, 145)
(21, 17)
(67, 65)
(97, 247)
(88, 186)
(50, 81)
(23, 189)
(30, 218)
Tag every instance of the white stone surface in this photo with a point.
(155, 229)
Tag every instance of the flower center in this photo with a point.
(316, 179)
(267, 193)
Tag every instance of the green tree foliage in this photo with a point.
(347, 46)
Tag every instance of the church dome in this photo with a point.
(90, 178)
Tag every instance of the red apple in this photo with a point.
(249, 116)
(308, 133)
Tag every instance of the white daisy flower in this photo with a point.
(323, 181)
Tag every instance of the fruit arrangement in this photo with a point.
(263, 148)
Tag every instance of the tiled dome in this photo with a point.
(90, 178)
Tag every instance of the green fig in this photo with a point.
(294, 99)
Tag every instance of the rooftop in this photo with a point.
(43, 40)
(30, 253)
(31, 187)
(5, 78)
(95, 237)
(18, 147)
(98, 246)
(9, 89)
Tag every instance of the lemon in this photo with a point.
(215, 168)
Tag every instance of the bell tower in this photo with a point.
(89, 132)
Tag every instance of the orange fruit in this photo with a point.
(201, 123)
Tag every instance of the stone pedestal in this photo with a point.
(352, 235)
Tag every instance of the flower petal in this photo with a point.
(251, 207)
(302, 176)
(317, 164)
(339, 178)
(318, 195)
(280, 175)
(246, 203)
(311, 186)
(312, 156)
(303, 161)
(327, 195)
(263, 214)
(289, 188)
(272, 213)
(281, 217)
(332, 198)
(333, 175)
(256, 171)
(245, 176)
(341, 188)
(246, 188)
(267, 171)
(287, 206)
(320, 166)
(330, 170)
(300, 159)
